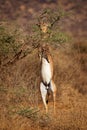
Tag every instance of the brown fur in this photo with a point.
(44, 52)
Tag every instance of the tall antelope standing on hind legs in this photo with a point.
(47, 82)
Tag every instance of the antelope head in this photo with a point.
(44, 24)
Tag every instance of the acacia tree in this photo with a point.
(47, 29)
(14, 44)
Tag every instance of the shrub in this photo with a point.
(11, 40)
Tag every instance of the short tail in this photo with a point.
(48, 94)
(47, 101)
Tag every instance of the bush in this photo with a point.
(47, 29)
(11, 40)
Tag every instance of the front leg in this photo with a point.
(44, 95)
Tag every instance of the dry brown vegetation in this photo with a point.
(21, 106)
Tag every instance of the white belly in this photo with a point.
(46, 71)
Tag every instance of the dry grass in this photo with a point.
(21, 107)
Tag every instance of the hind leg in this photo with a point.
(44, 94)
(53, 89)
